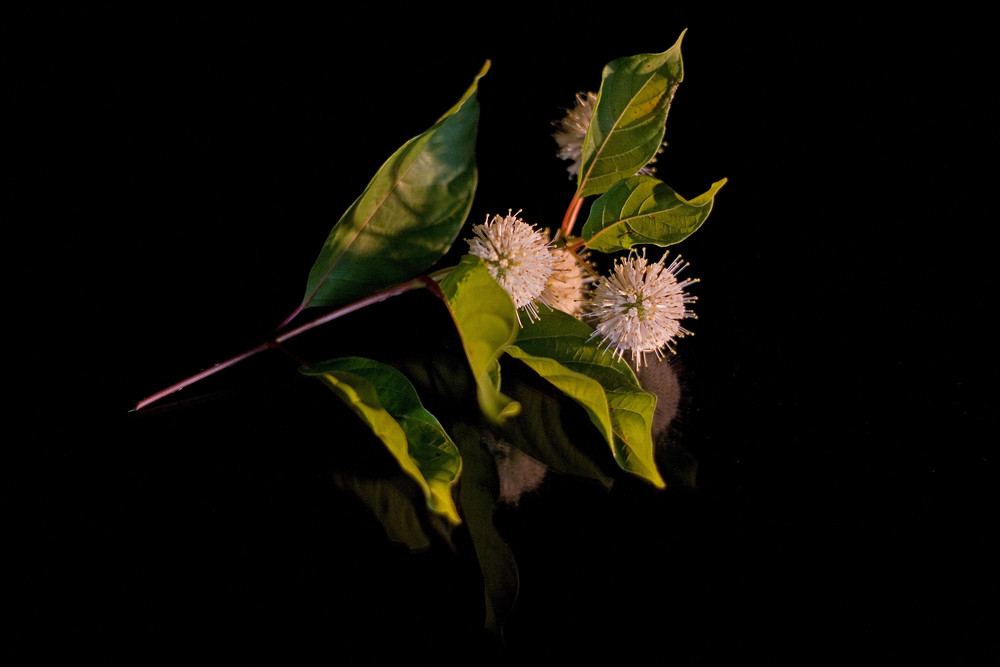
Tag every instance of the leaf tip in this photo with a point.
(445, 507)
(677, 44)
(512, 409)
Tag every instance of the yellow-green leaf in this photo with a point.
(487, 323)
(583, 389)
(387, 402)
(632, 416)
(570, 342)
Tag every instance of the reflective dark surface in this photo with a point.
(181, 171)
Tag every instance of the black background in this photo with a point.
(176, 172)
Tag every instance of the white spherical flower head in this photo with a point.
(638, 307)
(517, 256)
(568, 288)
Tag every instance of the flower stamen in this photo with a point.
(518, 257)
(639, 306)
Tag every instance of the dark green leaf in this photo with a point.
(630, 113)
(388, 403)
(408, 216)
(487, 323)
(643, 209)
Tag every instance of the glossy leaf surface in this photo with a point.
(386, 400)
(643, 209)
(628, 123)
(409, 214)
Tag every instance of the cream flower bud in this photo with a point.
(568, 288)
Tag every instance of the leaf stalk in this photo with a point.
(569, 219)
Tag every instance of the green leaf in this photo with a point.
(629, 118)
(585, 390)
(643, 209)
(409, 214)
(569, 341)
(632, 415)
(487, 323)
(388, 403)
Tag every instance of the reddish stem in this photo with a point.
(276, 342)
(291, 317)
(569, 219)
(232, 361)
(357, 305)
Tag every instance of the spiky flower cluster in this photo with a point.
(638, 307)
(573, 129)
(518, 257)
